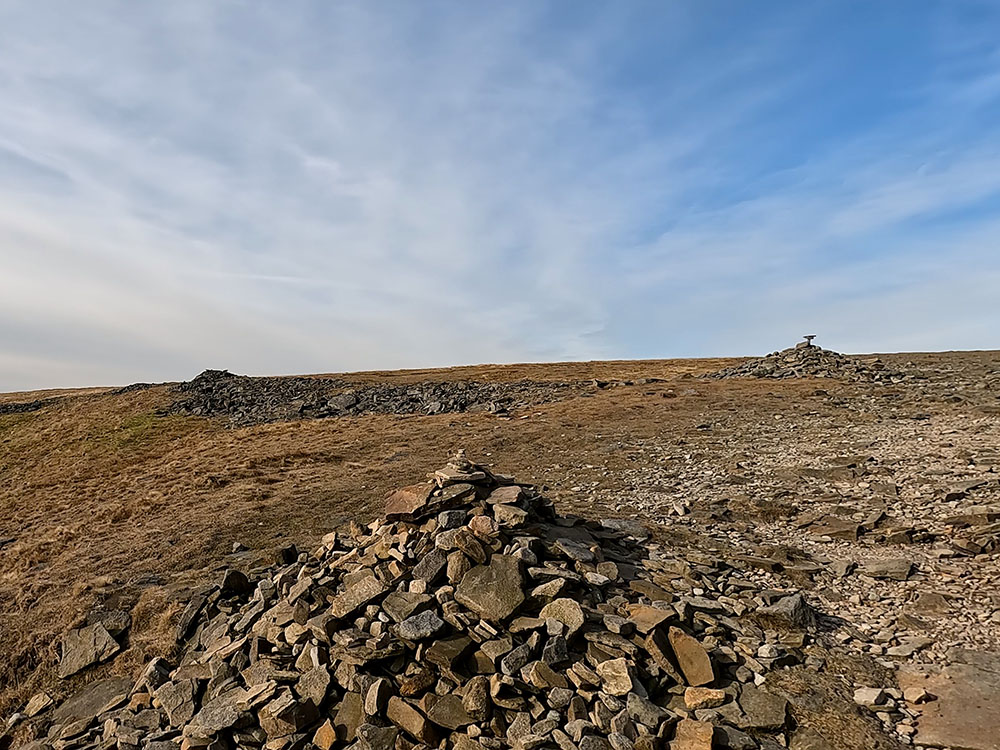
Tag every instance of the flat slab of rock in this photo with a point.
(177, 699)
(701, 697)
(410, 720)
(763, 710)
(647, 618)
(965, 713)
(896, 569)
(693, 735)
(377, 738)
(836, 528)
(283, 716)
(789, 612)
(326, 736)
(420, 500)
(449, 712)
(402, 604)
(408, 502)
(350, 715)
(691, 657)
(420, 626)
(91, 699)
(85, 646)
(626, 526)
(38, 703)
(356, 596)
(493, 591)
(567, 611)
(615, 676)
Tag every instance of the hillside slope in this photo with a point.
(111, 503)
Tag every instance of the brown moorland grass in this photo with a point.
(108, 503)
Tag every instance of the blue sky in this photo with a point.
(316, 186)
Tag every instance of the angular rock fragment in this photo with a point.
(372, 737)
(700, 697)
(896, 569)
(314, 684)
(86, 646)
(420, 627)
(217, 715)
(38, 703)
(326, 736)
(615, 675)
(869, 697)
(286, 715)
(377, 696)
(790, 612)
(763, 710)
(567, 611)
(400, 605)
(643, 711)
(431, 566)
(692, 735)
(410, 720)
(449, 712)
(647, 618)
(408, 502)
(178, 700)
(493, 591)
(358, 595)
(509, 516)
(692, 658)
(235, 583)
(349, 716)
(476, 700)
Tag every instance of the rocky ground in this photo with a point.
(22, 407)
(876, 500)
(808, 360)
(246, 401)
(471, 616)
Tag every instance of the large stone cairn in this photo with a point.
(808, 360)
(471, 617)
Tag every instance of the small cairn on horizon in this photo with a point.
(807, 360)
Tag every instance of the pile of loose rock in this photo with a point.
(808, 360)
(472, 617)
(257, 400)
(23, 407)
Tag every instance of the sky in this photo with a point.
(322, 186)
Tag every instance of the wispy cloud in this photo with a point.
(320, 186)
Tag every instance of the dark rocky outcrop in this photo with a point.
(248, 400)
